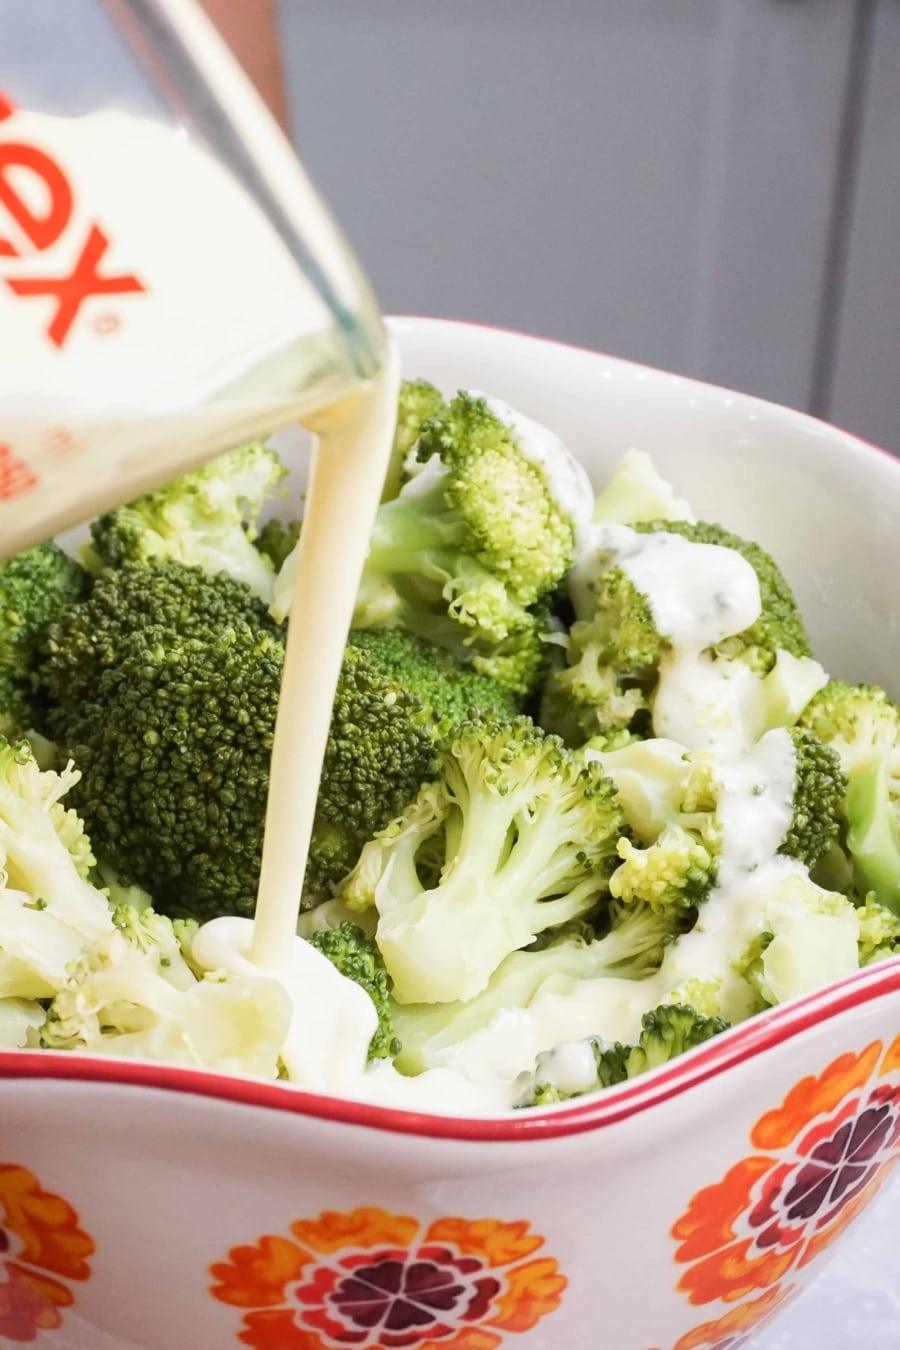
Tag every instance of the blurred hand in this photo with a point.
(251, 31)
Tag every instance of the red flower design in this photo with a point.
(823, 1153)
(39, 1239)
(378, 1281)
(820, 1158)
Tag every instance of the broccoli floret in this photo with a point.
(666, 1032)
(16, 713)
(448, 689)
(418, 401)
(524, 834)
(616, 657)
(35, 588)
(862, 725)
(277, 541)
(612, 666)
(357, 957)
(477, 536)
(670, 801)
(206, 518)
(167, 683)
(676, 872)
(182, 601)
(636, 491)
(879, 932)
(47, 906)
(819, 788)
(631, 950)
(669, 797)
(133, 991)
(805, 938)
(779, 626)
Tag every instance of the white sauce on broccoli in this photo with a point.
(699, 594)
(332, 1023)
(753, 824)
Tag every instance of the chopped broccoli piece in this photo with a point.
(636, 492)
(47, 906)
(277, 541)
(206, 518)
(524, 834)
(613, 661)
(418, 401)
(475, 538)
(35, 588)
(611, 682)
(166, 683)
(862, 725)
(879, 932)
(669, 798)
(133, 992)
(357, 957)
(819, 788)
(779, 626)
(666, 1032)
(449, 690)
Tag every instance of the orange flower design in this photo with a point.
(728, 1332)
(820, 1157)
(369, 1280)
(39, 1239)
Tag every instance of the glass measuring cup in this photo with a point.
(170, 283)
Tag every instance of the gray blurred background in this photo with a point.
(710, 186)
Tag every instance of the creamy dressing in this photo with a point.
(699, 594)
(332, 1022)
(348, 469)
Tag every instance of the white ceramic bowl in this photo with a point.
(143, 1205)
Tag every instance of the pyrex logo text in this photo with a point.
(45, 225)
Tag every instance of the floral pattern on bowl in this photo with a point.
(42, 1249)
(370, 1278)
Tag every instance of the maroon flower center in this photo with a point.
(833, 1165)
(402, 1296)
(5, 1243)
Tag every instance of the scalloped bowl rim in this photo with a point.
(737, 1046)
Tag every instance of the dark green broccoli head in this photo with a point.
(779, 625)
(182, 601)
(357, 957)
(35, 588)
(448, 689)
(276, 541)
(380, 750)
(166, 684)
(819, 790)
(174, 742)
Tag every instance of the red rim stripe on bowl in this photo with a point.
(736, 1046)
